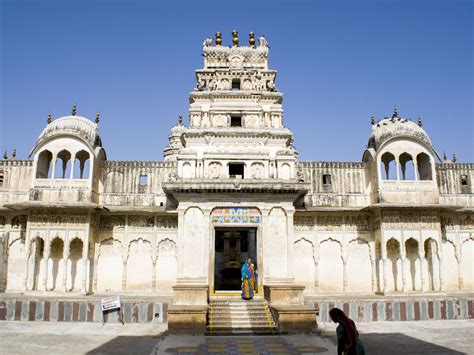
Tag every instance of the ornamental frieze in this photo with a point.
(113, 221)
(141, 221)
(167, 222)
(410, 220)
(332, 223)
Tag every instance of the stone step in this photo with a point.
(239, 316)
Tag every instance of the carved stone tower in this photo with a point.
(236, 117)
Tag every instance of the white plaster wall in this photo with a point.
(276, 236)
(166, 266)
(110, 266)
(467, 264)
(330, 266)
(359, 269)
(304, 265)
(16, 262)
(139, 266)
(450, 267)
(193, 237)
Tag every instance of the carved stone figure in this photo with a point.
(207, 42)
(215, 170)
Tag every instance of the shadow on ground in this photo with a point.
(397, 343)
(127, 345)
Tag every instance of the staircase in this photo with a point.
(235, 316)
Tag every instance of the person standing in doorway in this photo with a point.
(248, 279)
(348, 342)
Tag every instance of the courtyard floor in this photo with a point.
(420, 337)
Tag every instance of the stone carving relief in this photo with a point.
(257, 171)
(252, 120)
(167, 222)
(332, 223)
(236, 61)
(246, 84)
(215, 169)
(167, 248)
(140, 221)
(113, 221)
(410, 220)
(225, 84)
(19, 222)
(276, 120)
(195, 119)
(220, 120)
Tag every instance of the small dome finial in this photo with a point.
(218, 39)
(180, 119)
(14, 153)
(235, 38)
(5, 154)
(74, 110)
(252, 39)
(444, 155)
(372, 120)
(49, 118)
(395, 112)
(420, 121)
(454, 158)
(97, 118)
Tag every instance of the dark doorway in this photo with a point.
(232, 247)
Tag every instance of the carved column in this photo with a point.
(28, 261)
(344, 273)
(154, 259)
(458, 259)
(316, 274)
(421, 257)
(373, 268)
(397, 166)
(85, 259)
(65, 269)
(403, 260)
(124, 275)
(415, 170)
(71, 175)
(45, 262)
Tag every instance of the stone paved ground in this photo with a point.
(38, 338)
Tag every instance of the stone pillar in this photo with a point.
(422, 277)
(65, 268)
(441, 278)
(403, 260)
(85, 264)
(53, 169)
(460, 278)
(154, 258)
(27, 251)
(290, 244)
(384, 266)
(316, 274)
(344, 273)
(373, 267)
(415, 170)
(45, 262)
(124, 275)
(397, 166)
(71, 175)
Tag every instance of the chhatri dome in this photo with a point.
(395, 126)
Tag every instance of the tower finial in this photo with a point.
(14, 153)
(395, 112)
(420, 121)
(218, 39)
(97, 118)
(5, 154)
(252, 39)
(372, 120)
(444, 155)
(235, 38)
(74, 109)
(49, 118)
(454, 158)
(180, 119)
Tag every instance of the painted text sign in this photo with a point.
(235, 215)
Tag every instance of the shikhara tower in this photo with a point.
(230, 187)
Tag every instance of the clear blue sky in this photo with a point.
(338, 63)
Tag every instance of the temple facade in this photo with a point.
(231, 186)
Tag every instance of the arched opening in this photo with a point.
(431, 259)
(44, 166)
(81, 165)
(424, 166)
(166, 266)
(330, 258)
(412, 279)
(393, 264)
(407, 167)
(139, 266)
(75, 255)
(389, 166)
(56, 255)
(37, 254)
(285, 171)
(63, 165)
(359, 267)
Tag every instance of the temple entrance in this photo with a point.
(232, 247)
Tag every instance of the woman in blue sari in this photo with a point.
(248, 280)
